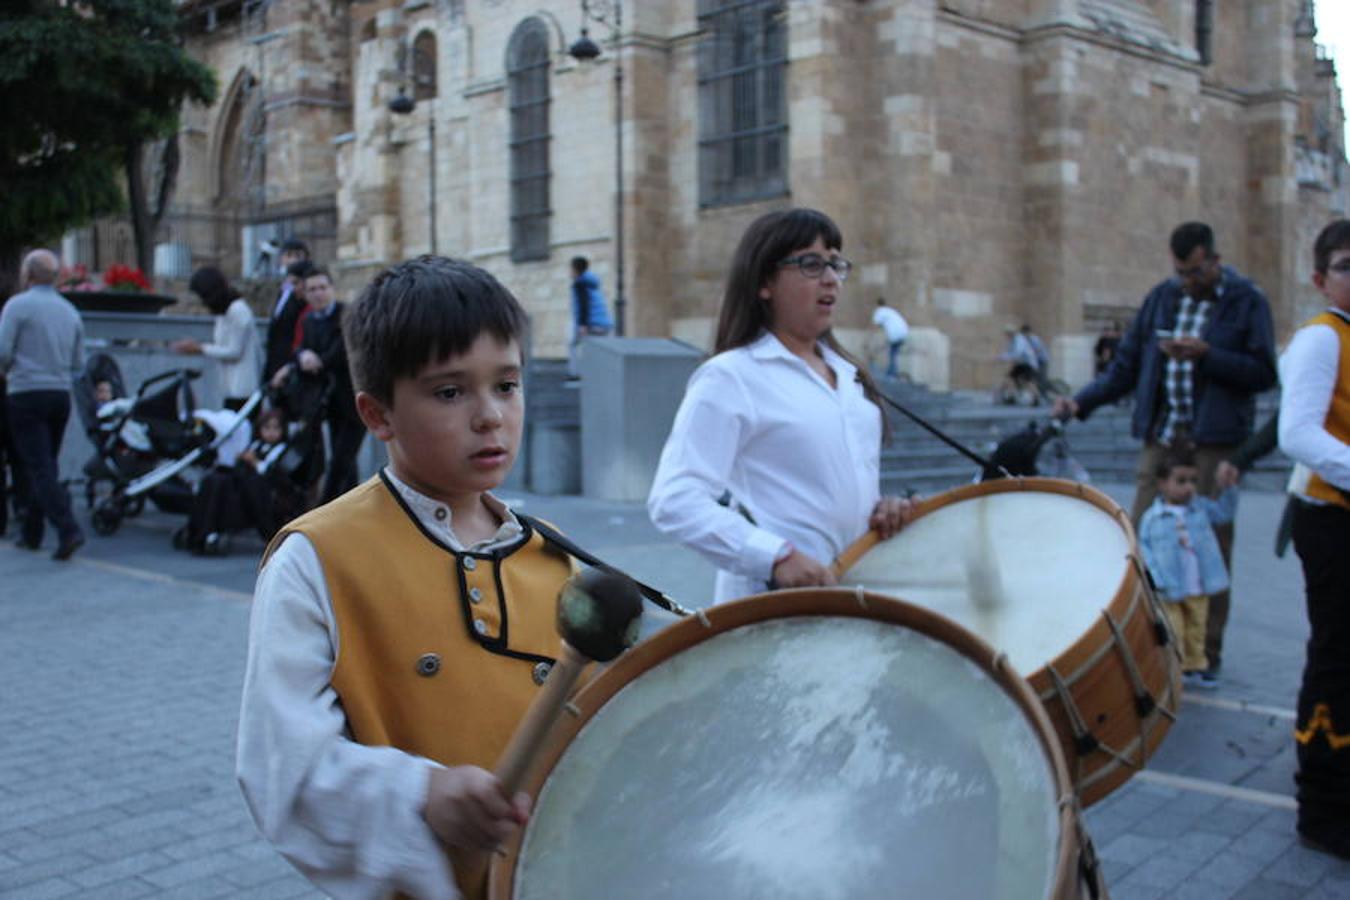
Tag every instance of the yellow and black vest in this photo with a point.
(438, 651)
(1338, 413)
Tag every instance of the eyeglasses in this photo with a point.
(812, 265)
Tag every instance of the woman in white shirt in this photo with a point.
(234, 344)
(772, 467)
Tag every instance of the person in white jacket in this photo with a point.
(772, 467)
(235, 344)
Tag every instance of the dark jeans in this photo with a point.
(1321, 536)
(37, 422)
(345, 434)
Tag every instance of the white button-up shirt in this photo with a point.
(802, 458)
(1308, 372)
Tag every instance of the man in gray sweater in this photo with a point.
(41, 355)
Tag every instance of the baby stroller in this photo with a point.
(261, 489)
(146, 443)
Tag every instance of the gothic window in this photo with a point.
(527, 65)
(424, 66)
(742, 105)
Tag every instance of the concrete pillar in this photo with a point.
(630, 390)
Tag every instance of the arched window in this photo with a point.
(742, 105)
(527, 87)
(424, 66)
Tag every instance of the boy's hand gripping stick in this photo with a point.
(598, 618)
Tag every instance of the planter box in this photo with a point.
(119, 301)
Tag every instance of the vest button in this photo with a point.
(428, 664)
(441, 514)
(540, 673)
(475, 595)
(470, 563)
(480, 626)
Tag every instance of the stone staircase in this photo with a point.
(917, 461)
(913, 461)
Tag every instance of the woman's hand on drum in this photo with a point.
(890, 515)
(799, 570)
(466, 807)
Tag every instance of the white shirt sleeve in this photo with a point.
(346, 815)
(1308, 371)
(231, 338)
(696, 468)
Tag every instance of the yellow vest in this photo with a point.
(1338, 414)
(437, 650)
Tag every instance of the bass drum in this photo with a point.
(1047, 571)
(803, 745)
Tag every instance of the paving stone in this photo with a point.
(126, 889)
(1197, 889)
(1299, 866)
(1230, 869)
(190, 870)
(115, 870)
(1261, 889)
(1133, 849)
(31, 873)
(43, 890)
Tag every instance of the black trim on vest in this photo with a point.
(498, 645)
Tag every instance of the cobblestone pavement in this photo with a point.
(120, 676)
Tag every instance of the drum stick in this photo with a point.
(599, 614)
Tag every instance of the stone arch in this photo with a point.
(240, 118)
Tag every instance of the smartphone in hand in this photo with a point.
(1165, 334)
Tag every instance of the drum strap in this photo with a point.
(567, 546)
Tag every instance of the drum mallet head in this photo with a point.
(598, 618)
(599, 614)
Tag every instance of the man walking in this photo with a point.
(1198, 352)
(896, 329)
(41, 355)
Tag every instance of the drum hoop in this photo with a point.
(862, 545)
(786, 604)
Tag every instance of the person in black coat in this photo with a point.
(322, 360)
(282, 327)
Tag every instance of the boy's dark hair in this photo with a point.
(1189, 235)
(422, 311)
(213, 287)
(294, 244)
(580, 264)
(1175, 458)
(1335, 236)
(315, 271)
(301, 269)
(271, 414)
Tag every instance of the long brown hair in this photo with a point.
(769, 239)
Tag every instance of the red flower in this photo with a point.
(119, 277)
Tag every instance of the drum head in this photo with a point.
(811, 756)
(1027, 570)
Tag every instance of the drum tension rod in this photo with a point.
(1160, 629)
(1144, 704)
(1084, 741)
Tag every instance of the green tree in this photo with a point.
(84, 86)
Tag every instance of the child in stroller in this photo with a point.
(252, 489)
(145, 444)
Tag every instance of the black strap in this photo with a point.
(949, 441)
(567, 546)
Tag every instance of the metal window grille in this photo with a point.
(742, 101)
(528, 89)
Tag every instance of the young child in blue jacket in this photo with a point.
(1181, 551)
